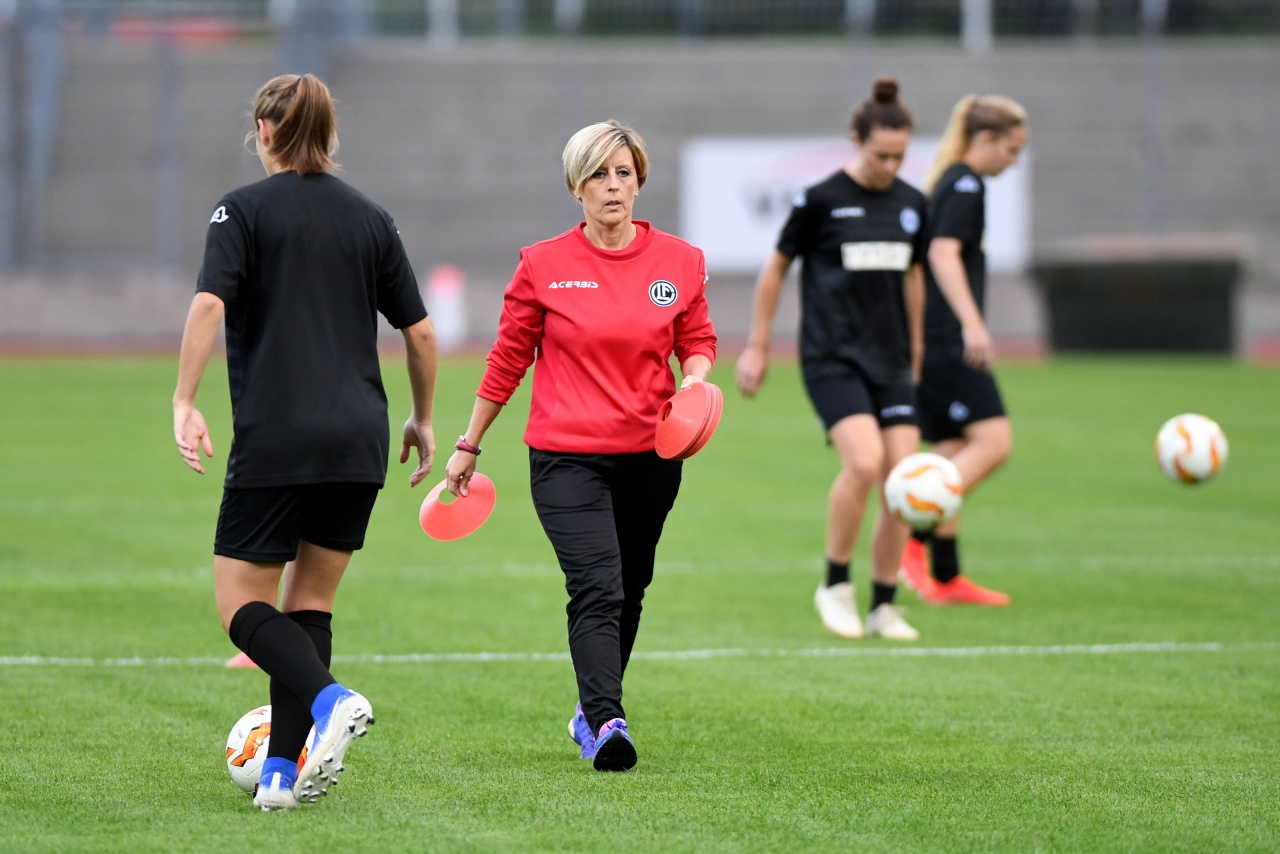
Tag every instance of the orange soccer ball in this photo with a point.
(924, 490)
(1191, 448)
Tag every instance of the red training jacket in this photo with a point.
(602, 325)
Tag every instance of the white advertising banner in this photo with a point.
(736, 192)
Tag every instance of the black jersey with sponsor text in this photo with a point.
(304, 264)
(957, 209)
(855, 245)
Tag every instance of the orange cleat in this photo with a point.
(914, 569)
(962, 591)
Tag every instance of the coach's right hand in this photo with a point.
(458, 471)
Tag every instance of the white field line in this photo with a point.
(683, 655)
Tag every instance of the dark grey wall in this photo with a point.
(462, 145)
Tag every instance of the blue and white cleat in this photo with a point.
(580, 732)
(274, 792)
(347, 718)
(612, 749)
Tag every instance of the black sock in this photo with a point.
(946, 560)
(281, 648)
(837, 573)
(882, 594)
(290, 717)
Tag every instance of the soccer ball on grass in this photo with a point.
(924, 490)
(247, 747)
(1191, 448)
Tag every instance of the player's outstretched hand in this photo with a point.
(751, 368)
(191, 435)
(421, 437)
(978, 350)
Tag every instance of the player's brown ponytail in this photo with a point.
(305, 133)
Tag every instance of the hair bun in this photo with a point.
(885, 90)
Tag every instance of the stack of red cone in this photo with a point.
(687, 420)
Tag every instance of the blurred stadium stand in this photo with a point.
(122, 122)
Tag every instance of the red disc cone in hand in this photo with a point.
(713, 420)
(461, 516)
(687, 421)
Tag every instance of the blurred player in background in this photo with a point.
(862, 295)
(300, 265)
(961, 412)
(601, 308)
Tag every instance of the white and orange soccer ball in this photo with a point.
(247, 747)
(924, 490)
(1191, 448)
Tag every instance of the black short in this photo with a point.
(954, 395)
(265, 525)
(837, 394)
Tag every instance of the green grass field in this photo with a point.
(1129, 700)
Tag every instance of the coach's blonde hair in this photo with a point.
(305, 134)
(591, 147)
(970, 116)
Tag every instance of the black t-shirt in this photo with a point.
(304, 264)
(856, 244)
(957, 209)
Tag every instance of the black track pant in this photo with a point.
(603, 514)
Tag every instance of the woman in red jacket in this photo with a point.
(601, 307)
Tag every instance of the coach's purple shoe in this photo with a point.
(580, 732)
(612, 749)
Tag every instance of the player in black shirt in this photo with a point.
(862, 293)
(300, 265)
(961, 412)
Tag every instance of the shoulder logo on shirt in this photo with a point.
(572, 284)
(220, 215)
(957, 411)
(910, 220)
(662, 293)
(799, 200)
(968, 184)
(848, 213)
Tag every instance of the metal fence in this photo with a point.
(448, 19)
(704, 18)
